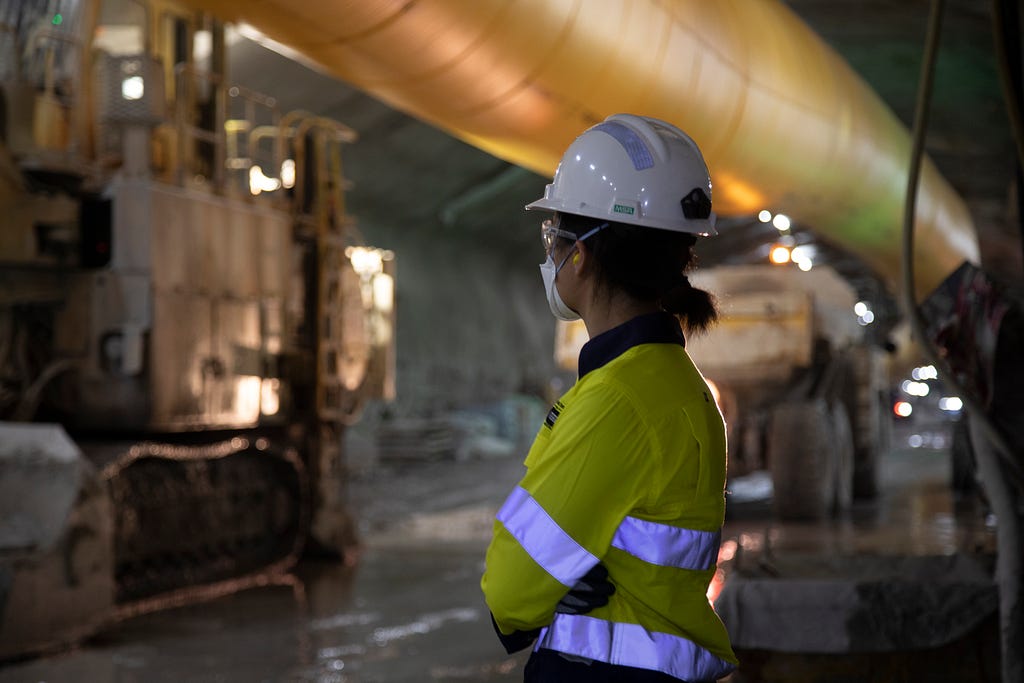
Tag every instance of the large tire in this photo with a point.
(869, 421)
(802, 459)
(842, 436)
(866, 466)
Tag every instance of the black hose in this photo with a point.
(917, 321)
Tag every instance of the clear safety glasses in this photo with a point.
(549, 233)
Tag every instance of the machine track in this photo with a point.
(198, 521)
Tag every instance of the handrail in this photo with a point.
(245, 128)
(288, 131)
(184, 88)
(186, 78)
(340, 133)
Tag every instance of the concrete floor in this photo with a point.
(897, 591)
(410, 610)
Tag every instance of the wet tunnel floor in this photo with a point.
(410, 610)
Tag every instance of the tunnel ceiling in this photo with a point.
(411, 177)
(883, 41)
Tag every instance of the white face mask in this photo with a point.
(549, 272)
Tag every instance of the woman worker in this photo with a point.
(602, 555)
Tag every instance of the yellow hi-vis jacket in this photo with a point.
(628, 470)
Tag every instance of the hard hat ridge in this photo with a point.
(634, 145)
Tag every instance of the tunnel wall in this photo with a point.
(473, 325)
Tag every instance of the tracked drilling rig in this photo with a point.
(186, 323)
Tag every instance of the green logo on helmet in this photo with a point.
(622, 208)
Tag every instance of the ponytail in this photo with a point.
(694, 307)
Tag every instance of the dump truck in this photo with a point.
(186, 323)
(803, 386)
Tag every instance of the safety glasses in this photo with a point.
(549, 233)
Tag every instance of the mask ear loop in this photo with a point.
(574, 251)
(587, 235)
(560, 265)
(593, 232)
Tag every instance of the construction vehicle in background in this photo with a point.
(803, 386)
(186, 324)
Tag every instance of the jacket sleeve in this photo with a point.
(517, 640)
(560, 521)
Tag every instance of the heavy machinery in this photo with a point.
(802, 384)
(186, 325)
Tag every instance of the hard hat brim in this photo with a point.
(702, 227)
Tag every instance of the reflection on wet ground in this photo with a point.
(916, 514)
(404, 614)
(411, 611)
(897, 590)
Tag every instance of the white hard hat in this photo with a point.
(636, 170)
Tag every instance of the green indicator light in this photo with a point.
(58, 19)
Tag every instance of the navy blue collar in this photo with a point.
(652, 328)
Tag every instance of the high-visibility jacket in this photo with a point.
(627, 470)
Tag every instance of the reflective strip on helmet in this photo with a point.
(634, 145)
(543, 540)
(668, 546)
(632, 645)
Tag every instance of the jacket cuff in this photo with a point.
(517, 640)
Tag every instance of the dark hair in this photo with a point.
(647, 265)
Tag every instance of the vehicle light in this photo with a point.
(779, 255)
(781, 222)
(133, 88)
(951, 404)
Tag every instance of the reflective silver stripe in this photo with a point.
(634, 145)
(632, 645)
(668, 546)
(549, 546)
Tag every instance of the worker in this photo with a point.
(601, 557)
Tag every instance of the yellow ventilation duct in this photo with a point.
(784, 123)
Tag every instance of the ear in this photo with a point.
(581, 258)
